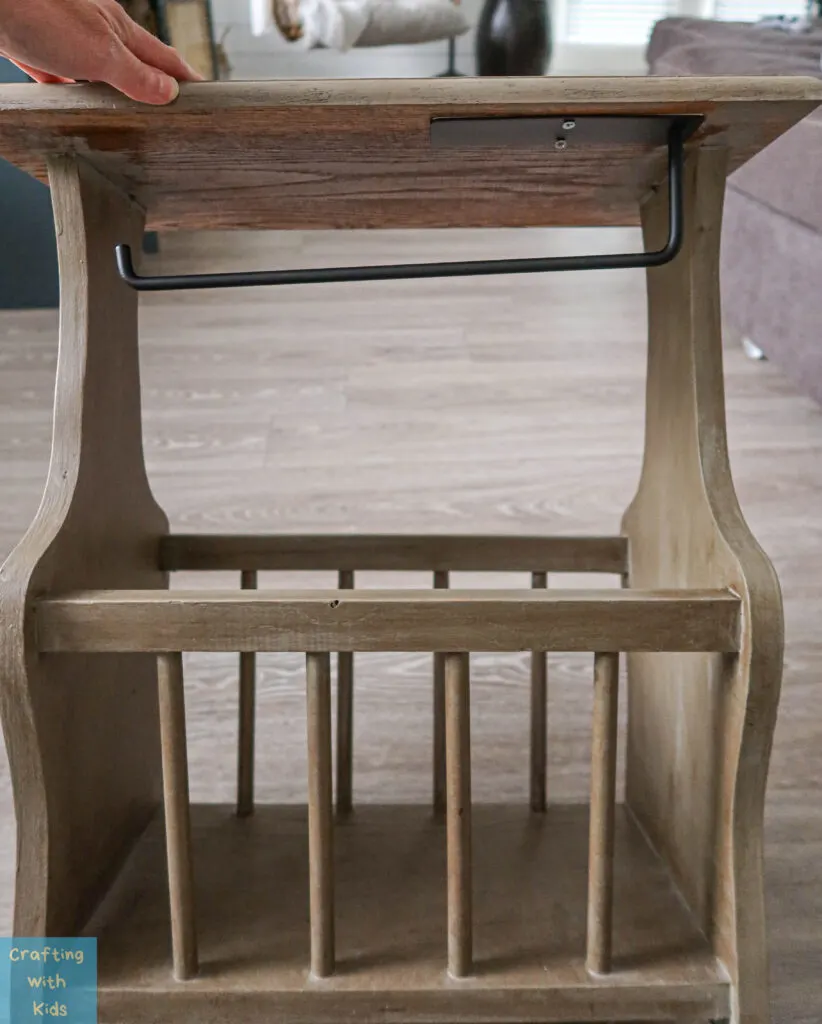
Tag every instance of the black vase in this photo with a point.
(513, 38)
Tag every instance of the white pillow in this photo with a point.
(407, 22)
(341, 24)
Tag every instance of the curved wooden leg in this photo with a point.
(82, 732)
(701, 726)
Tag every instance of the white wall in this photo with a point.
(272, 57)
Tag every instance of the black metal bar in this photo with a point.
(451, 69)
(416, 271)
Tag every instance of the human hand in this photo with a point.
(91, 41)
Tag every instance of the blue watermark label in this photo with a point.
(48, 980)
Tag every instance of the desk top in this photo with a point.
(360, 154)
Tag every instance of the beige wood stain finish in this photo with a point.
(458, 812)
(732, 560)
(491, 339)
(86, 754)
(404, 553)
(390, 620)
(357, 154)
(599, 954)
(177, 816)
(320, 815)
(700, 729)
(391, 881)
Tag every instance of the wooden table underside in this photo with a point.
(357, 154)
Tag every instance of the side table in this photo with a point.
(456, 913)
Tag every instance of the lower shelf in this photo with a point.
(530, 877)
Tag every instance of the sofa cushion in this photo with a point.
(785, 177)
(737, 59)
(758, 45)
(776, 301)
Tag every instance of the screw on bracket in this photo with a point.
(561, 144)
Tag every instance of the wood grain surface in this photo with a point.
(392, 930)
(604, 734)
(86, 751)
(700, 730)
(389, 620)
(177, 816)
(402, 553)
(458, 812)
(496, 406)
(358, 154)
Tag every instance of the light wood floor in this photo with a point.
(495, 405)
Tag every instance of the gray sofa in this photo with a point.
(772, 238)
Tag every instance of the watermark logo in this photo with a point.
(48, 980)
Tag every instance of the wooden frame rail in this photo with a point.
(157, 621)
(397, 552)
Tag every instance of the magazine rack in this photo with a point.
(455, 913)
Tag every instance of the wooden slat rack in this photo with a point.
(456, 912)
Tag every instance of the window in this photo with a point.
(614, 22)
(753, 10)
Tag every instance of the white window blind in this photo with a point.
(753, 10)
(614, 22)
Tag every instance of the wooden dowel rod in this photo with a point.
(441, 582)
(458, 814)
(345, 717)
(603, 806)
(539, 715)
(248, 695)
(177, 815)
(320, 815)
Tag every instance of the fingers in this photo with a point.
(153, 51)
(138, 81)
(147, 70)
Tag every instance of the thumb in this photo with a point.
(140, 81)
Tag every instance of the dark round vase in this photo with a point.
(513, 38)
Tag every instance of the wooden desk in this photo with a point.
(508, 914)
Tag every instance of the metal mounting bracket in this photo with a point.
(677, 131)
